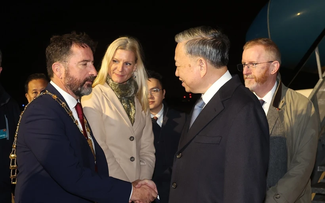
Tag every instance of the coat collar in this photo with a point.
(279, 95)
(213, 108)
(53, 90)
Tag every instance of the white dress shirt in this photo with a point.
(268, 98)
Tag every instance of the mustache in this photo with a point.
(90, 78)
(249, 77)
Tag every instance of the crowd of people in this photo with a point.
(111, 136)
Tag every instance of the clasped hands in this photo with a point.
(144, 191)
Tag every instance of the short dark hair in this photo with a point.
(34, 76)
(0, 57)
(157, 76)
(60, 47)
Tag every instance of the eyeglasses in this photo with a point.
(154, 91)
(240, 67)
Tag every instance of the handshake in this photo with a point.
(144, 191)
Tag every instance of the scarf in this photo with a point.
(125, 93)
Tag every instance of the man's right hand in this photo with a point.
(146, 193)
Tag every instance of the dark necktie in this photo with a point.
(197, 109)
(154, 119)
(156, 128)
(154, 122)
(262, 102)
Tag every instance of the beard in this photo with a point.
(252, 81)
(79, 87)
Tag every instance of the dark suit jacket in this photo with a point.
(9, 115)
(55, 162)
(166, 142)
(223, 157)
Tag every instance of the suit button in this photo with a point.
(131, 138)
(174, 185)
(179, 155)
(132, 158)
(277, 196)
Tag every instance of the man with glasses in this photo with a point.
(167, 126)
(293, 123)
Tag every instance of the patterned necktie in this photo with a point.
(197, 109)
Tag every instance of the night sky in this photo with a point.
(27, 27)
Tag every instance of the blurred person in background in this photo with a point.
(34, 85)
(9, 116)
(167, 125)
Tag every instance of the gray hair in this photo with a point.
(206, 42)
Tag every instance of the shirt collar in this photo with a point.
(216, 86)
(268, 98)
(70, 100)
(159, 113)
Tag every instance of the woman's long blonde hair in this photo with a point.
(130, 44)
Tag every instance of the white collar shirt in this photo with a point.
(160, 116)
(207, 96)
(268, 98)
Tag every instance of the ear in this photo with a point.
(57, 69)
(274, 67)
(164, 92)
(202, 64)
(135, 68)
(0, 69)
(27, 97)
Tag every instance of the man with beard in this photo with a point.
(58, 158)
(293, 123)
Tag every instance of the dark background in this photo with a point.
(27, 27)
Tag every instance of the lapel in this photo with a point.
(52, 89)
(272, 117)
(277, 106)
(112, 98)
(211, 110)
(165, 116)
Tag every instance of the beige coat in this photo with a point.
(293, 118)
(129, 150)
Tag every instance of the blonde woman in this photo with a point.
(118, 112)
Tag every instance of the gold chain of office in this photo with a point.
(13, 155)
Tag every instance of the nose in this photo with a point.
(119, 67)
(149, 94)
(93, 70)
(176, 72)
(246, 70)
